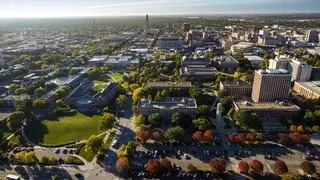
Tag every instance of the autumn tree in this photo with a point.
(291, 176)
(208, 136)
(295, 138)
(144, 135)
(243, 167)
(231, 138)
(198, 136)
(251, 137)
(165, 164)
(158, 136)
(256, 167)
(153, 165)
(293, 128)
(217, 165)
(280, 167)
(308, 167)
(123, 165)
(241, 137)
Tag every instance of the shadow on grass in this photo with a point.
(35, 131)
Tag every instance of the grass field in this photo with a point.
(99, 85)
(86, 155)
(60, 130)
(12, 139)
(117, 76)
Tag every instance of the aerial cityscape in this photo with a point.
(160, 89)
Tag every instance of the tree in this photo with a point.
(24, 105)
(251, 137)
(203, 110)
(316, 128)
(208, 136)
(73, 71)
(40, 91)
(164, 93)
(217, 165)
(176, 118)
(192, 168)
(21, 91)
(243, 167)
(137, 94)
(280, 167)
(231, 138)
(154, 119)
(165, 164)
(295, 138)
(15, 120)
(291, 176)
(256, 167)
(121, 100)
(153, 166)
(139, 120)
(158, 96)
(195, 92)
(308, 167)
(293, 128)
(202, 124)
(93, 144)
(144, 135)
(175, 134)
(44, 160)
(107, 122)
(223, 93)
(122, 165)
(158, 136)
(41, 103)
(198, 136)
(247, 119)
(300, 129)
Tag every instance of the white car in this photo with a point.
(114, 142)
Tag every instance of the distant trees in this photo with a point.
(204, 111)
(93, 144)
(21, 91)
(195, 92)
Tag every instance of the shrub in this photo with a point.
(73, 160)
(308, 167)
(243, 167)
(217, 165)
(280, 167)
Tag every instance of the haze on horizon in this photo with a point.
(84, 8)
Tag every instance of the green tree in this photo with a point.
(154, 119)
(195, 92)
(247, 119)
(40, 91)
(93, 144)
(164, 93)
(121, 100)
(202, 123)
(203, 110)
(223, 93)
(175, 134)
(291, 176)
(21, 91)
(107, 122)
(177, 118)
(139, 120)
(41, 103)
(137, 94)
(158, 96)
(15, 120)
(73, 71)
(24, 105)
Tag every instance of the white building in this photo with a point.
(300, 70)
(280, 62)
(242, 47)
(254, 60)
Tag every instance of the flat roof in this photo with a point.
(313, 86)
(273, 71)
(252, 106)
(236, 83)
(168, 103)
(169, 84)
(254, 58)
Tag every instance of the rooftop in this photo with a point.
(251, 106)
(273, 71)
(313, 86)
(168, 103)
(236, 83)
(254, 58)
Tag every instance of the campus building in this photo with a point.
(170, 42)
(198, 73)
(309, 90)
(161, 85)
(237, 88)
(195, 61)
(168, 106)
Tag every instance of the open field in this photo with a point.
(61, 130)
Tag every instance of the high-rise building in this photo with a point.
(147, 22)
(186, 27)
(2, 64)
(271, 85)
(280, 62)
(300, 70)
(312, 36)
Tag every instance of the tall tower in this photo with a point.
(1, 61)
(147, 23)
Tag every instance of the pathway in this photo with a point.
(9, 137)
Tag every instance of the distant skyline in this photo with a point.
(85, 8)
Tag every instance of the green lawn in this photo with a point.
(118, 76)
(12, 139)
(60, 130)
(99, 85)
(86, 155)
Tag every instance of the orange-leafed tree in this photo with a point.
(243, 167)
(280, 167)
(165, 164)
(295, 137)
(198, 136)
(231, 138)
(208, 136)
(123, 165)
(154, 166)
(241, 137)
(251, 137)
(158, 136)
(144, 135)
(256, 166)
(217, 165)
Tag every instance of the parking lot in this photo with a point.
(49, 152)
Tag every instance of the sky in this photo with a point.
(80, 8)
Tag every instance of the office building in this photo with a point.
(195, 61)
(198, 73)
(242, 47)
(237, 88)
(170, 42)
(268, 110)
(161, 85)
(271, 85)
(309, 90)
(147, 23)
(299, 70)
(226, 62)
(254, 60)
(312, 36)
(315, 74)
(168, 106)
(186, 27)
(97, 61)
(280, 62)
